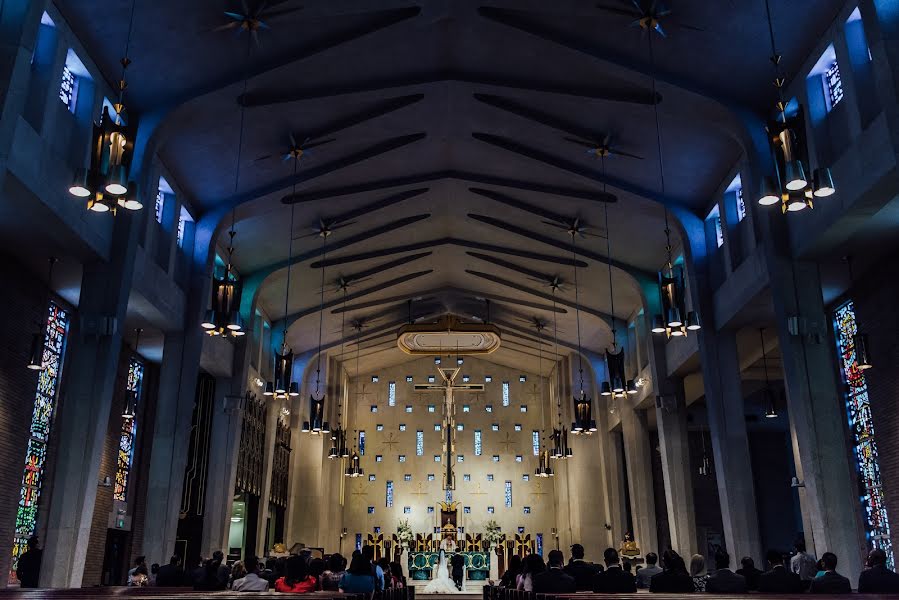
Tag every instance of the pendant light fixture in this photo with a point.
(338, 434)
(672, 284)
(131, 400)
(223, 316)
(354, 468)
(36, 354)
(544, 453)
(616, 385)
(859, 340)
(790, 186)
(583, 406)
(770, 401)
(705, 463)
(105, 182)
(317, 423)
(560, 449)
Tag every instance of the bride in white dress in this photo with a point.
(441, 583)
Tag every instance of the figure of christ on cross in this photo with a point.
(449, 387)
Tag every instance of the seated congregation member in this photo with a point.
(253, 580)
(830, 582)
(297, 579)
(399, 578)
(877, 579)
(778, 579)
(647, 572)
(530, 568)
(750, 573)
(698, 572)
(330, 579)
(674, 578)
(384, 564)
(614, 580)
(28, 568)
(368, 553)
(582, 571)
(358, 579)
(554, 580)
(723, 580)
(238, 571)
(509, 578)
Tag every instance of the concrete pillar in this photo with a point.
(639, 477)
(171, 441)
(271, 424)
(90, 379)
(671, 417)
(829, 500)
(730, 446)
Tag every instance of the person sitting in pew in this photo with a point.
(723, 580)
(554, 580)
(172, 575)
(778, 579)
(674, 578)
(297, 579)
(830, 582)
(877, 579)
(358, 579)
(582, 571)
(614, 580)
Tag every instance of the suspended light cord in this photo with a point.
(125, 61)
(321, 314)
(609, 258)
(342, 348)
(577, 312)
(776, 60)
(655, 107)
(556, 353)
(289, 260)
(764, 356)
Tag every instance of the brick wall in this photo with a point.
(875, 297)
(25, 300)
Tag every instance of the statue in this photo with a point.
(629, 548)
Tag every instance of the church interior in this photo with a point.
(488, 279)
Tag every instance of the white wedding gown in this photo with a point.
(441, 582)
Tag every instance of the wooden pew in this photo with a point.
(167, 593)
(498, 593)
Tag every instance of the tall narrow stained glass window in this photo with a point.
(478, 445)
(391, 393)
(535, 442)
(362, 443)
(508, 496)
(505, 393)
(68, 88)
(419, 443)
(129, 432)
(389, 494)
(44, 405)
(858, 408)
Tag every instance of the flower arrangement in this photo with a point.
(494, 535)
(404, 533)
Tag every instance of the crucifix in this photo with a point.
(449, 387)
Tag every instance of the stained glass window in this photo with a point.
(129, 432)
(41, 419)
(419, 443)
(477, 442)
(371, 477)
(68, 89)
(160, 202)
(535, 442)
(361, 443)
(833, 85)
(539, 539)
(508, 495)
(389, 494)
(741, 204)
(858, 408)
(391, 393)
(505, 393)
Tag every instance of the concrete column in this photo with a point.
(829, 500)
(171, 441)
(639, 477)
(671, 416)
(730, 446)
(271, 423)
(95, 344)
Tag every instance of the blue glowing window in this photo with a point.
(535, 442)
(833, 85)
(371, 510)
(361, 443)
(430, 477)
(508, 494)
(407, 477)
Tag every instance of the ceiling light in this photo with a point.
(631, 387)
(770, 193)
(658, 325)
(693, 323)
(770, 405)
(794, 176)
(36, 359)
(862, 358)
(80, 186)
(823, 183)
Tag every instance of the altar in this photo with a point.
(423, 564)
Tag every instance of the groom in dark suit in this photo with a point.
(458, 564)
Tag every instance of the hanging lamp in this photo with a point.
(105, 182)
(705, 464)
(560, 449)
(36, 353)
(338, 447)
(770, 401)
(790, 185)
(354, 468)
(131, 400)
(583, 406)
(617, 385)
(675, 320)
(859, 340)
(317, 398)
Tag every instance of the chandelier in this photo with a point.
(223, 317)
(672, 288)
(544, 467)
(354, 468)
(105, 181)
(338, 434)
(583, 405)
(790, 186)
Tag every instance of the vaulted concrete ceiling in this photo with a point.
(449, 165)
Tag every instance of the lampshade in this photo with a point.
(605, 389)
(294, 389)
(770, 192)
(862, 356)
(208, 320)
(35, 357)
(823, 183)
(631, 387)
(592, 427)
(693, 323)
(130, 200)
(617, 384)
(796, 203)
(80, 187)
(794, 175)
(306, 428)
(333, 452)
(100, 203)
(658, 324)
(235, 322)
(326, 428)
(770, 404)
(117, 181)
(674, 317)
(677, 333)
(269, 389)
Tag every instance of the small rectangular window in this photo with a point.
(408, 408)
(183, 220)
(407, 477)
(371, 477)
(68, 89)
(402, 427)
(437, 427)
(431, 408)
(371, 510)
(407, 510)
(833, 85)
(489, 476)
(402, 458)
(460, 458)
(379, 458)
(430, 477)
(466, 477)
(436, 458)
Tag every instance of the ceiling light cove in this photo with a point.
(448, 335)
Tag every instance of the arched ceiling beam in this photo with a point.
(638, 274)
(449, 290)
(544, 337)
(392, 182)
(378, 269)
(527, 290)
(496, 80)
(520, 205)
(448, 241)
(572, 167)
(372, 207)
(536, 275)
